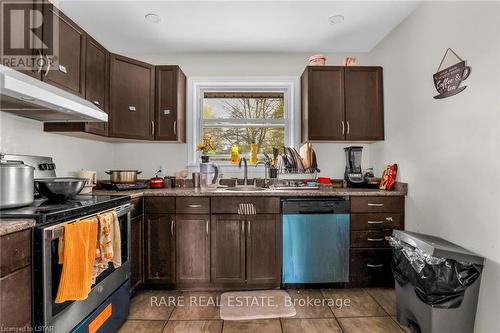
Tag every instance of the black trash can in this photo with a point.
(437, 283)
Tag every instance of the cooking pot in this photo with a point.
(123, 176)
(16, 184)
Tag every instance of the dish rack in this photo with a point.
(286, 174)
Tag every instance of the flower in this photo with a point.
(207, 147)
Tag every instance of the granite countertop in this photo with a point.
(8, 226)
(400, 190)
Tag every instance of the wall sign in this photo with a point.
(448, 80)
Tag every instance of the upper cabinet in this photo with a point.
(97, 82)
(170, 104)
(69, 73)
(342, 104)
(131, 98)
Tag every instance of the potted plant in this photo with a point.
(207, 148)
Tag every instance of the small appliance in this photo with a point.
(353, 174)
(209, 172)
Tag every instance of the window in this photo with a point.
(239, 111)
(242, 118)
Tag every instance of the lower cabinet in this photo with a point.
(136, 255)
(160, 249)
(246, 250)
(192, 237)
(371, 268)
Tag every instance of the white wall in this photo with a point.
(25, 136)
(448, 150)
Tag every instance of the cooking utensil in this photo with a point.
(91, 177)
(59, 189)
(123, 176)
(16, 184)
(156, 182)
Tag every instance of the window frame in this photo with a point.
(199, 85)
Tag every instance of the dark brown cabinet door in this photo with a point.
(264, 249)
(227, 263)
(69, 71)
(15, 300)
(364, 103)
(96, 82)
(193, 249)
(159, 244)
(136, 246)
(131, 99)
(323, 104)
(170, 105)
(31, 49)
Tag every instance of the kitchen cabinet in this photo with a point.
(364, 103)
(136, 255)
(97, 82)
(33, 50)
(69, 73)
(227, 263)
(170, 104)
(131, 100)
(263, 247)
(160, 245)
(323, 104)
(342, 104)
(15, 281)
(372, 219)
(192, 236)
(246, 250)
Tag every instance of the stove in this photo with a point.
(45, 211)
(124, 187)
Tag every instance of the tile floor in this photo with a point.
(370, 311)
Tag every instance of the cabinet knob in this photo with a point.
(63, 69)
(132, 108)
(97, 103)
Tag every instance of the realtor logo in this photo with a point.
(29, 40)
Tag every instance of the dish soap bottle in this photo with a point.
(235, 155)
(253, 153)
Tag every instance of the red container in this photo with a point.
(156, 182)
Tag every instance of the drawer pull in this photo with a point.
(132, 108)
(374, 265)
(97, 103)
(389, 218)
(375, 205)
(193, 206)
(375, 239)
(172, 226)
(375, 222)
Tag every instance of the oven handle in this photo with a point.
(56, 231)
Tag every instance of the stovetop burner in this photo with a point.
(46, 211)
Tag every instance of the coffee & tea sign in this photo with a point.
(448, 81)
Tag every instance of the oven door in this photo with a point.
(63, 317)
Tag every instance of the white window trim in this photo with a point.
(198, 85)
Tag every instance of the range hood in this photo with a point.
(28, 97)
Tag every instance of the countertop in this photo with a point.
(400, 190)
(8, 226)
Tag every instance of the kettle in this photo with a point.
(209, 172)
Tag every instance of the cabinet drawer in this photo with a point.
(370, 268)
(159, 205)
(377, 204)
(136, 208)
(15, 251)
(192, 205)
(263, 205)
(370, 221)
(372, 238)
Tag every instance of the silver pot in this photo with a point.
(123, 176)
(16, 184)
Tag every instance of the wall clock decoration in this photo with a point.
(447, 81)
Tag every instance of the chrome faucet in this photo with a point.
(245, 171)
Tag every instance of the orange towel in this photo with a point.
(77, 257)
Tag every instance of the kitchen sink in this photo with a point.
(246, 189)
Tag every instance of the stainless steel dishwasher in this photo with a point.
(315, 240)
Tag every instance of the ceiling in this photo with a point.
(237, 26)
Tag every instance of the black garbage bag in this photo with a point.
(438, 282)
